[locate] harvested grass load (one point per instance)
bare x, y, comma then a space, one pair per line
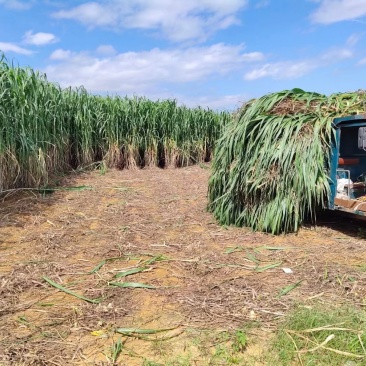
270, 167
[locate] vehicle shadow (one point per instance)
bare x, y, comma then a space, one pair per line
348, 224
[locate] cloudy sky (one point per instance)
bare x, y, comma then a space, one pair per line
216, 53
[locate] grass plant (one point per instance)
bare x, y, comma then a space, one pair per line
46, 130
115, 351
321, 336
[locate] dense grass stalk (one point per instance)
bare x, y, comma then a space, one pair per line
46, 129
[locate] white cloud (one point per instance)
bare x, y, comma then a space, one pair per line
253, 56
177, 20
11, 47
91, 14
225, 102
332, 11
139, 72
60, 54
16, 4
39, 39
352, 40
336, 54
297, 69
262, 4
106, 50
362, 61
281, 70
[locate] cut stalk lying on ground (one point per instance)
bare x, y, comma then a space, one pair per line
131, 331
289, 288
66, 290
131, 285
130, 272
104, 262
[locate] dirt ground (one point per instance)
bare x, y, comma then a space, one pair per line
204, 279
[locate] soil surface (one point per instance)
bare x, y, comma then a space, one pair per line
189, 276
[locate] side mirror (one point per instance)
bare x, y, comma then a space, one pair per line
362, 138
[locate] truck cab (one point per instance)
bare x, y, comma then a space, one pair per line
348, 165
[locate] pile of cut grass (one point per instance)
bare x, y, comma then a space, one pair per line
46, 129
270, 167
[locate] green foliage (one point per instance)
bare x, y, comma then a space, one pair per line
115, 351
340, 331
72, 293
45, 129
270, 167
240, 341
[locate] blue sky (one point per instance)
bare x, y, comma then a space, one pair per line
215, 53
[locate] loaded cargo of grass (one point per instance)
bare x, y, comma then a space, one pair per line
46, 130
270, 168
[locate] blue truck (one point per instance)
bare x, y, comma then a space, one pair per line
348, 165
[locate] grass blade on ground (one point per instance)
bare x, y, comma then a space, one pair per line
269, 266
98, 267
64, 289
103, 262
252, 258
233, 250
289, 288
131, 285
130, 272
265, 247
128, 331
116, 350
157, 258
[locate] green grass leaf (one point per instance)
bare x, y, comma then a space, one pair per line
127, 331
265, 247
75, 188
157, 258
64, 289
252, 258
130, 272
131, 285
103, 262
98, 267
267, 267
233, 250
289, 288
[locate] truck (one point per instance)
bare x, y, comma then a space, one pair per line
348, 165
